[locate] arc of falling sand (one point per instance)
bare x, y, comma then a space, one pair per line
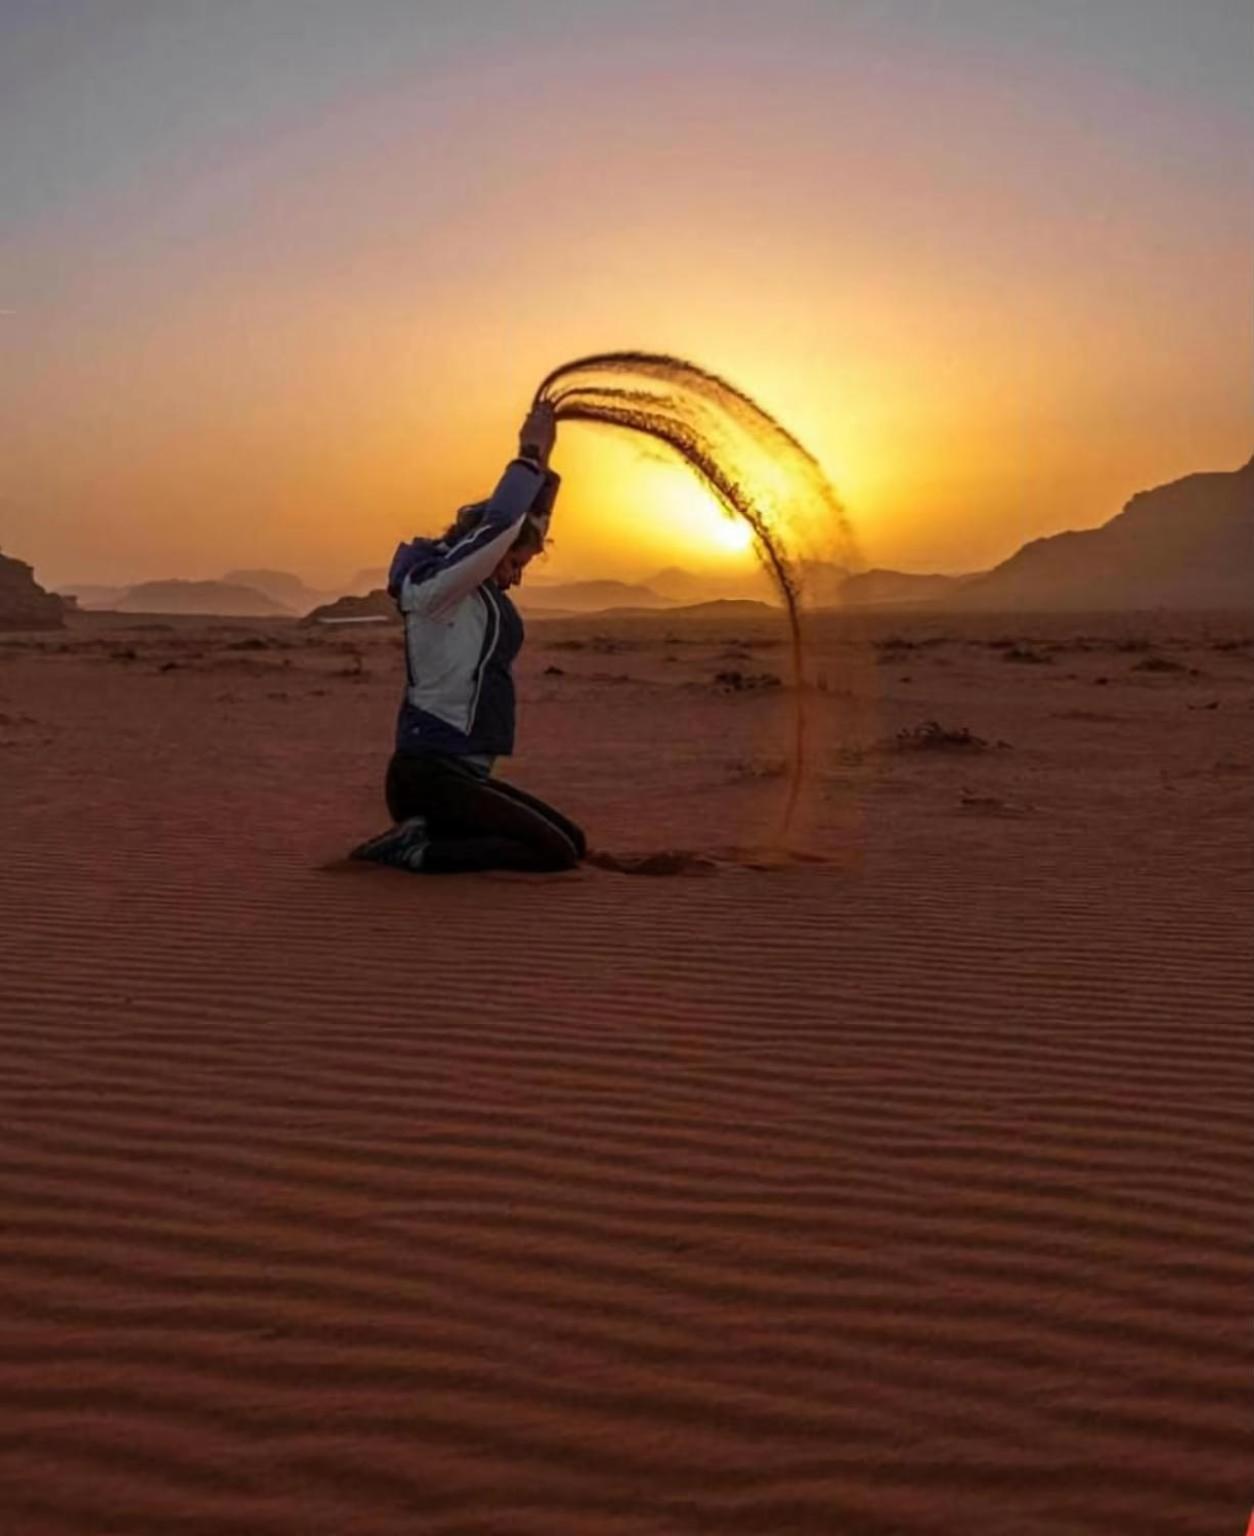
575, 396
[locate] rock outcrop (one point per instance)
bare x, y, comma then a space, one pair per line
23, 602
347, 610
1188, 544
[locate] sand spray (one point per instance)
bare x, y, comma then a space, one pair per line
755, 467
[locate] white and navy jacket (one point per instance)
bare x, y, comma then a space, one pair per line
462, 633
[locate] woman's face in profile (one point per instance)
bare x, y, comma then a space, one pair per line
509, 573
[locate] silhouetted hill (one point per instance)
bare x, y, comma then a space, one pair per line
281, 586
91, 596
23, 602
365, 582
822, 582
726, 608
1188, 544
588, 596
882, 588
369, 605
211, 598
680, 586
378, 605
821, 579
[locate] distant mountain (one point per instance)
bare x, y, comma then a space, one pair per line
367, 581
727, 608
1188, 544
378, 605
91, 596
211, 598
588, 596
354, 607
23, 602
821, 579
680, 586
281, 586
881, 588
558, 600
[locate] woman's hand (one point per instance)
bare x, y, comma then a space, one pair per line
538, 433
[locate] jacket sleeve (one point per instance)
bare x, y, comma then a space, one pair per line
442, 582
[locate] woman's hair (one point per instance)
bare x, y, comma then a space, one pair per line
466, 521
530, 538
469, 517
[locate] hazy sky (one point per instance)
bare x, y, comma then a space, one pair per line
277, 277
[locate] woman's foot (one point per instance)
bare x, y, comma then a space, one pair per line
402, 847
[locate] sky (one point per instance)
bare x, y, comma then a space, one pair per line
278, 277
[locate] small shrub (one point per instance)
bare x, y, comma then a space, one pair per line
599, 645
1159, 664
931, 736
746, 682
744, 771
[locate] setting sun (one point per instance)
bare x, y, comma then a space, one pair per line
732, 534
700, 515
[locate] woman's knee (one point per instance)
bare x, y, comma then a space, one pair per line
560, 851
569, 858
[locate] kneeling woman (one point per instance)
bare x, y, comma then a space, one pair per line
462, 634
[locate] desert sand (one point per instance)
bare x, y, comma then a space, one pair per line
897, 1191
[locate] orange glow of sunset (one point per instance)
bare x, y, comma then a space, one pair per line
280, 294
683, 515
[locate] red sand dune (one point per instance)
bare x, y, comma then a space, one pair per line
901, 1194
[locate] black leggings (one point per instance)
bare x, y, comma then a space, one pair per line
476, 823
